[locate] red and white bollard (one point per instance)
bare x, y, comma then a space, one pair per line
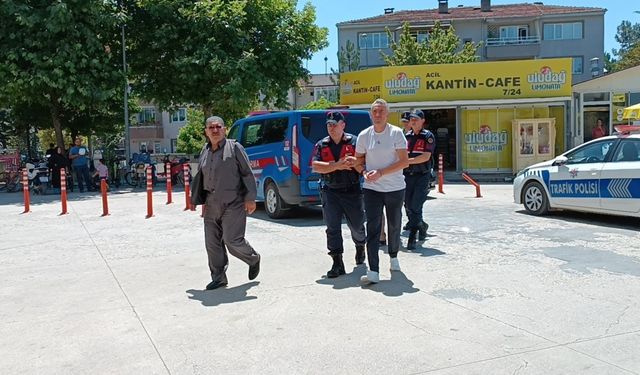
167, 173
25, 190
63, 190
103, 192
149, 193
187, 186
440, 173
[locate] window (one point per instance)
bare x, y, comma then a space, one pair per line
577, 65
563, 31
179, 116
157, 147
373, 40
629, 150
513, 33
422, 36
233, 133
147, 115
266, 131
329, 93
591, 153
174, 144
314, 126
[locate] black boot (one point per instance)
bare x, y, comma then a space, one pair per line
338, 267
422, 232
411, 244
359, 254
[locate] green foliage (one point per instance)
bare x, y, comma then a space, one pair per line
191, 137
442, 47
348, 58
59, 58
321, 103
219, 54
630, 59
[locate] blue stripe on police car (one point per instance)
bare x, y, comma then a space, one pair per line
574, 188
620, 188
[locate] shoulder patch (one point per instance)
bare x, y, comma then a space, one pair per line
430, 139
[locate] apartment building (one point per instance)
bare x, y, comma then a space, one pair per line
507, 32
156, 131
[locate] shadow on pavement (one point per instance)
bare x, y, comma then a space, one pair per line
423, 251
350, 280
610, 221
397, 286
310, 216
223, 295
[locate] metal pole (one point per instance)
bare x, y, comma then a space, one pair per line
127, 140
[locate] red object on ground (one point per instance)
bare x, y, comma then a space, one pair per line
63, 190
25, 190
103, 191
472, 182
149, 193
440, 173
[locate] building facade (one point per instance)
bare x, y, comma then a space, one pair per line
155, 131
507, 32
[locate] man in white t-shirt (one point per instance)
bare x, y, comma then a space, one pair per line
381, 151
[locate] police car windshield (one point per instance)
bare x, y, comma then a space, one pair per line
314, 126
591, 153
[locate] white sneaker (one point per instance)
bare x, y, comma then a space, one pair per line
371, 277
395, 264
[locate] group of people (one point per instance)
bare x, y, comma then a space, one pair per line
396, 169
394, 166
76, 159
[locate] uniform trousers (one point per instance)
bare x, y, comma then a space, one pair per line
414, 197
224, 225
335, 205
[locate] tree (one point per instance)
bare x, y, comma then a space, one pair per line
628, 36
221, 55
60, 58
630, 59
442, 47
191, 137
348, 58
321, 103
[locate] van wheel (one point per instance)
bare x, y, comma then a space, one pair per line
273, 203
535, 199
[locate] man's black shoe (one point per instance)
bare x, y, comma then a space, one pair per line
216, 284
360, 254
411, 244
422, 232
337, 268
254, 271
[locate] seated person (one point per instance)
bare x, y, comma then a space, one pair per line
101, 172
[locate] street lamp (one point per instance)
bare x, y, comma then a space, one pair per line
366, 50
325, 65
127, 137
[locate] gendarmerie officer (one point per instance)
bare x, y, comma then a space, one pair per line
420, 146
334, 158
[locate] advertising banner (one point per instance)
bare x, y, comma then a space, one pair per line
513, 79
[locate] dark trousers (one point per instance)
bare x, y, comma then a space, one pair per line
83, 177
224, 225
335, 205
374, 202
414, 197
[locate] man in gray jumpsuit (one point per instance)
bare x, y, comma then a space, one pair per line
231, 195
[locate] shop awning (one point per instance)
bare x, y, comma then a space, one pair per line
632, 112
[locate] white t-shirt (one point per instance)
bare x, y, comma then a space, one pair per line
380, 152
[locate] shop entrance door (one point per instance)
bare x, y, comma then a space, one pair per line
591, 116
442, 123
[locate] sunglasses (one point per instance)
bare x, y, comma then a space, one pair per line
214, 127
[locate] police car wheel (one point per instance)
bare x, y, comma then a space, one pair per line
273, 204
535, 199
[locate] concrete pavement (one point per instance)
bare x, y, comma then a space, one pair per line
491, 291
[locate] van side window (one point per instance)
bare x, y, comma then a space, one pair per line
275, 129
252, 135
233, 132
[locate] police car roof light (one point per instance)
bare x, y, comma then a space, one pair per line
627, 129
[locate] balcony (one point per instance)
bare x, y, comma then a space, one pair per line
147, 130
511, 48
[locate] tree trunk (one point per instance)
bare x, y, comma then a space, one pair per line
55, 119
207, 109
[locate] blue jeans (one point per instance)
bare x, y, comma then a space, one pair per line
335, 205
83, 177
374, 203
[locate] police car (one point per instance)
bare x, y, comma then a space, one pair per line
601, 176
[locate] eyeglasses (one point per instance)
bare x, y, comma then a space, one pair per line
214, 127
332, 124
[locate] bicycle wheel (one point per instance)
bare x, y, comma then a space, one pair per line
131, 178
14, 184
4, 179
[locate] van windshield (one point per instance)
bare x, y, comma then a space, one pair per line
314, 126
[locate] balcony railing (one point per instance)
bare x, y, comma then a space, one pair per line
513, 41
